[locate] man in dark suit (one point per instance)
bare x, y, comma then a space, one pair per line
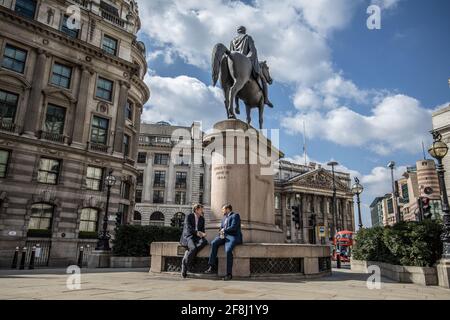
193, 237
230, 235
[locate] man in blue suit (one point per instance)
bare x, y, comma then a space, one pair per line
230, 236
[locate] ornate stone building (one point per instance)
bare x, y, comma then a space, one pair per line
71, 97
311, 188
169, 180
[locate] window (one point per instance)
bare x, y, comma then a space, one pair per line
180, 197
158, 196
109, 8
140, 178
61, 75
122, 213
162, 159
104, 89
160, 179
55, 119
277, 202
41, 216
89, 220
48, 171
142, 157
138, 196
390, 206
68, 29
200, 198
178, 220
126, 145
94, 178
14, 59
202, 178
109, 45
180, 182
157, 219
405, 194
26, 8
4, 160
137, 216
125, 190
99, 132
8, 107
129, 111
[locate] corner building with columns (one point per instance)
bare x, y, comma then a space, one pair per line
71, 97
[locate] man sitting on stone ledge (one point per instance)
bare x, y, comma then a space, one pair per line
230, 236
193, 237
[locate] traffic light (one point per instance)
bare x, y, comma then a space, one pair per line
426, 207
296, 216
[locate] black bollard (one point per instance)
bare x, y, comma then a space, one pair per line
80, 258
22, 260
16, 257
338, 261
33, 255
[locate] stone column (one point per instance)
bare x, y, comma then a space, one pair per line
120, 117
137, 125
34, 101
170, 182
305, 205
79, 123
207, 185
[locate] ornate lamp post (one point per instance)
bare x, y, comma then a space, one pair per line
104, 236
357, 189
391, 165
332, 164
439, 150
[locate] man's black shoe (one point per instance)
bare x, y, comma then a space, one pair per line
228, 277
210, 270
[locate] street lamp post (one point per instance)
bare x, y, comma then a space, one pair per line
391, 165
103, 240
357, 189
439, 150
332, 164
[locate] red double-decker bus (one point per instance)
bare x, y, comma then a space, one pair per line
342, 244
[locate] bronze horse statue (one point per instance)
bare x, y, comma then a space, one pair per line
237, 82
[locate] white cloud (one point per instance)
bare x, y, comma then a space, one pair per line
182, 100
398, 123
386, 4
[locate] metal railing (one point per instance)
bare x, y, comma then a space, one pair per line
7, 126
50, 136
98, 147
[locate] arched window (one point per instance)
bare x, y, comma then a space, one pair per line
89, 220
178, 220
41, 216
137, 216
157, 219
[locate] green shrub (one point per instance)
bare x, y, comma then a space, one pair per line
134, 241
406, 243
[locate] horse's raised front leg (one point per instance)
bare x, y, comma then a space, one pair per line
237, 86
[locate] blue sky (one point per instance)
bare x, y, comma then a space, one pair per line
366, 96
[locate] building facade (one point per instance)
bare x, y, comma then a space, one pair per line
71, 97
311, 188
441, 124
417, 182
169, 180
377, 212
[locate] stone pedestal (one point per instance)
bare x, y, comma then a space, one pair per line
242, 168
99, 259
443, 272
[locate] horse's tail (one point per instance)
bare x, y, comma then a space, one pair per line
218, 52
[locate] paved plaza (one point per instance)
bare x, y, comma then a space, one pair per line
139, 284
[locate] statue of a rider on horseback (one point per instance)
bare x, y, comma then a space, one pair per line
242, 76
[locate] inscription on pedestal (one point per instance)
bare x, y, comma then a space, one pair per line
222, 172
